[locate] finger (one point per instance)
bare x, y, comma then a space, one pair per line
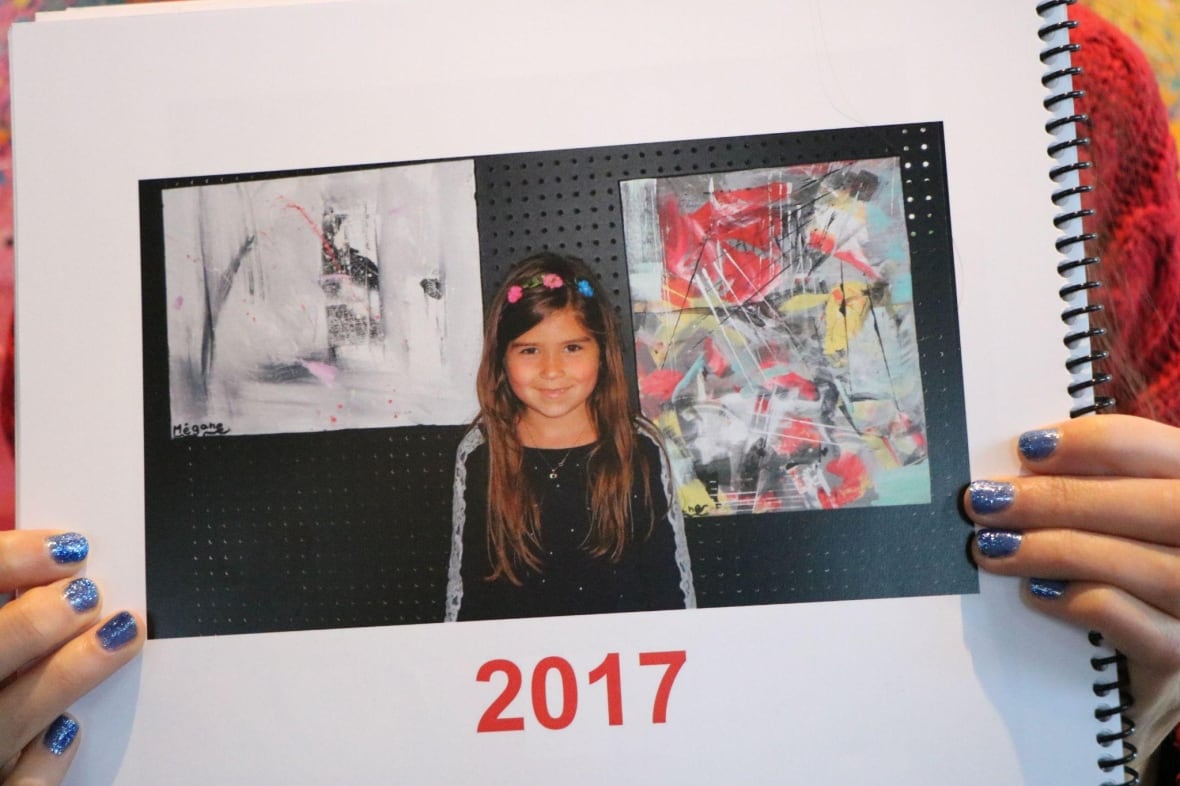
37, 696
1137, 508
44, 618
1147, 636
32, 557
1140, 630
46, 759
1148, 572
1108, 445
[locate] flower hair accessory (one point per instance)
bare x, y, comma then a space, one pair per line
549, 281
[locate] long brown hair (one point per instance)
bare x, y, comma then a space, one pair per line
514, 526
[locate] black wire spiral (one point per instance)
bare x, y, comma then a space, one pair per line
1069, 244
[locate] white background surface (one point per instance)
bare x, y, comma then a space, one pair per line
971, 690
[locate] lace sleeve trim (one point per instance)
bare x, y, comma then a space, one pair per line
675, 514
471, 441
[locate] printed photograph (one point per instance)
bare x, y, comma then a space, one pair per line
344, 300
784, 317
774, 336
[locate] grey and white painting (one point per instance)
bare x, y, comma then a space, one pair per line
330, 301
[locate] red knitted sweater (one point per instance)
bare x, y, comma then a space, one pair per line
1136, 199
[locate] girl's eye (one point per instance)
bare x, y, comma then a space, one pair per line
573, 348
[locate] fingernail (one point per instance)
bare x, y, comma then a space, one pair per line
1037, 445
1049, 589
67, 547
82, 594
996, 543
118, 630
990, 496
60, 735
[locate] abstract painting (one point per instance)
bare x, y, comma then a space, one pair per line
329, 301
775, 340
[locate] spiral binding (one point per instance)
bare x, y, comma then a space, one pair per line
1084, 360
1065, 128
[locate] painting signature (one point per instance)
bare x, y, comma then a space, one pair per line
199, 430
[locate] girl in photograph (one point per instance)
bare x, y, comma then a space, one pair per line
563, 496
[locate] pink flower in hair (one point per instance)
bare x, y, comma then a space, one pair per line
552, 281
514, 293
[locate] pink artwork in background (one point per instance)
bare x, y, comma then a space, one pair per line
9, 13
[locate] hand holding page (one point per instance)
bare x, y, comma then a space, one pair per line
249, 326
57, 644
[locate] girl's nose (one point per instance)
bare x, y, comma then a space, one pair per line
551, 367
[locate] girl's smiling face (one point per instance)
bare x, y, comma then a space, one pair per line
553, 369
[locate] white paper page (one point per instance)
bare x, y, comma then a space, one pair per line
964, 690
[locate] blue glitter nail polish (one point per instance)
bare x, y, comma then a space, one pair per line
119, 630
990, 496
82, 595
1038, 445
996, 543
67, 547
60, 734
1049, 589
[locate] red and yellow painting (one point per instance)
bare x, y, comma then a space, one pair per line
775, 336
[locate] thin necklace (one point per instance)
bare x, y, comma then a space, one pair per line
555, 468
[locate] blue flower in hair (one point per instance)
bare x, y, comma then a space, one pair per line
585, 288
